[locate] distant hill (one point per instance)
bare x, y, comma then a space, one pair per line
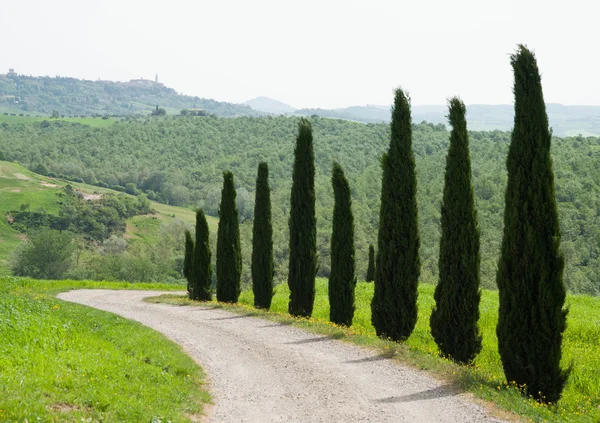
565, 120
77, 97
268, 105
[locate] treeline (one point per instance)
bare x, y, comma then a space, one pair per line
71, 96
532, 313
180, 161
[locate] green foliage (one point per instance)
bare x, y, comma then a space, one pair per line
530, 271
46, 254
303, 225
64, 362
229, 253
95, 219
342, 279
394, 306
159, 111
188, 260
371, 268
262, 241
161, 155
200, 285
454, 319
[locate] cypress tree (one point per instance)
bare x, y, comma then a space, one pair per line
262, 241
229, 254
303, 225
201, 269
187, 261
454, 319
394, 305
341, 279
532, 317
371, 268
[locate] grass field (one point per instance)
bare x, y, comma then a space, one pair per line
19, 185
62, 362
94, 122
580, 402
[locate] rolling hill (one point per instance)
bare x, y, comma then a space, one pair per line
565, 120
20, 186
21, 94
268, 105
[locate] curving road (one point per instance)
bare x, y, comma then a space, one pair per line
262, 371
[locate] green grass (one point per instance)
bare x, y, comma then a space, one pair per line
65, 362
94, 122
485, 379
18, 185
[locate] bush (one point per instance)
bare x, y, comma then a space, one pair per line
46, 255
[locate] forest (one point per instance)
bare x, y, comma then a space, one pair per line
180, 160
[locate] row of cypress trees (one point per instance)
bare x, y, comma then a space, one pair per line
532, 317
197, 267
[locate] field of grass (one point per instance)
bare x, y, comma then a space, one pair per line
94, 122
581, 346
64, 362
21, 186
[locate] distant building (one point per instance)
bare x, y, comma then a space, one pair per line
11, 72
146, 82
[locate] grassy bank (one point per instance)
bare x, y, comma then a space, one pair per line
485, 379
64, 362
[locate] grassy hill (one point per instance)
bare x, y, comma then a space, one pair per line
20, 186
75, 97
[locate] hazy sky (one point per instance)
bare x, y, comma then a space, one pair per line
327, 53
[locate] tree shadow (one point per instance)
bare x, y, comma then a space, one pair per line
275, 325
310, 340
237, 316
383, 356
437, 392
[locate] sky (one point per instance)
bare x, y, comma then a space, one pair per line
327, 53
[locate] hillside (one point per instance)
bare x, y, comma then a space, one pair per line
180, 161
19, 186
268, 105
21, 94
565, 120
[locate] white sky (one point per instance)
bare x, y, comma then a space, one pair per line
328, 53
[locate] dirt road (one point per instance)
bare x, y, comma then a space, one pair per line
261, 371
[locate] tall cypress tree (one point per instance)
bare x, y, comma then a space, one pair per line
394, 305
201, 269
262, 241
187, 261
371, 268
532, 317
342, 280
303, 226
454, 319
229, 254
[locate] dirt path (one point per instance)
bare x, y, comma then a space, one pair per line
262, 371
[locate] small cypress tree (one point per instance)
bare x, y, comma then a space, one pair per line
303, 225
201, 269
262, 241
394, 305
454, 319
229, 254
342, 280
532, 317
371, 268
187, 261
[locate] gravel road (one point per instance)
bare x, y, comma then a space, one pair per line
262, 371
